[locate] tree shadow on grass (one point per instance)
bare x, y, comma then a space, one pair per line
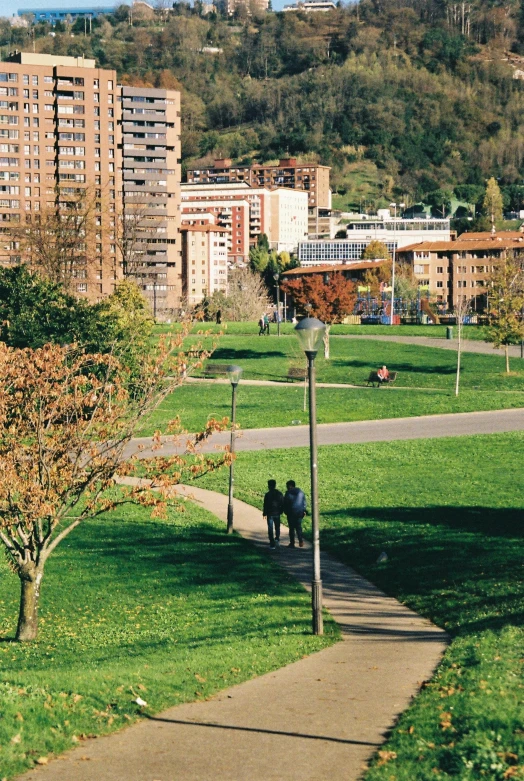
395, 366
495, 521
460, 566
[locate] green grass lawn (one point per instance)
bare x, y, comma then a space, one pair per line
262, 407
425, 384
449, 514
351, 360
168, 611
251, 329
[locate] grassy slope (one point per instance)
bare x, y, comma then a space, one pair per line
449, 516
262, 407
425, 384
132, 606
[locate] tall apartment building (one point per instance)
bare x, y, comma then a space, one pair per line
311, 177
279, 213
58, 145
151, 152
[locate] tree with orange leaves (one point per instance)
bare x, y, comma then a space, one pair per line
66, 418
330, 297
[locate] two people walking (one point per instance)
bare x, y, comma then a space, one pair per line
263, 324
293, 504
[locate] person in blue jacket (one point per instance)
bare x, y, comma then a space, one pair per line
295, 508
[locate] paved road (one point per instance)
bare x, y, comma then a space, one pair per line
317, 719
425, 427
468, 345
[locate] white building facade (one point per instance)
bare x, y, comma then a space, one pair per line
394, 233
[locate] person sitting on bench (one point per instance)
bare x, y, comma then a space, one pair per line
383, 374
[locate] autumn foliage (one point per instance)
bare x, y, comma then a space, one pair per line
66, 419
330, 300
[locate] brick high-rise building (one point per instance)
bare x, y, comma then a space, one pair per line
59, 145
69, 134
311, 177
151, 152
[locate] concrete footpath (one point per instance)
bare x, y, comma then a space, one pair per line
317, 719
423, 427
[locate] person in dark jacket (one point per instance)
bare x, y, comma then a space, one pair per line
295, 507
273, 507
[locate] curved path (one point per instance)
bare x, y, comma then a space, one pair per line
425, 427
468, 345
319, 718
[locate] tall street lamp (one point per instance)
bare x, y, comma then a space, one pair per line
310, 332
276, 277
233, 373
401, 205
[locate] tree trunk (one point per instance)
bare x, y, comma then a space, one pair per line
506, 350
458, 368
326, 342
30, 580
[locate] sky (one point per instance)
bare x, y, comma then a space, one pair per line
10, 7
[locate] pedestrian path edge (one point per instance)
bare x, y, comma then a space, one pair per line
320, 718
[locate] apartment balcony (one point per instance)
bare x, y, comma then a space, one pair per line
132, 165
157, 176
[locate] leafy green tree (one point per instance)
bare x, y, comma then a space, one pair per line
493, 201
35, 312
375, 250
258, 259
506, 303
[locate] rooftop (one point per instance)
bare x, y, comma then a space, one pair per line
334, 267
461, 245
30, 58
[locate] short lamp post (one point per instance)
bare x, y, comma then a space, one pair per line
310, 333
233, 373
401, 205
276, 277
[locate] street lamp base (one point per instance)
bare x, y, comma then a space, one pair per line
316, 598
230, 519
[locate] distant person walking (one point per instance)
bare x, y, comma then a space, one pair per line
295, 507
262, 325
273, 509
219, 317
266, 323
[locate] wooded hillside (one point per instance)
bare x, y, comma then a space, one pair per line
400, 97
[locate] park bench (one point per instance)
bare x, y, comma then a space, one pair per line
373, 378
216, 370
295, 373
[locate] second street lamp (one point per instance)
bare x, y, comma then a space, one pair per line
233, 373
276, 277
401, 205
310, 332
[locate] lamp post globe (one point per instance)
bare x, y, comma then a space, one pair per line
310, 333
234, 373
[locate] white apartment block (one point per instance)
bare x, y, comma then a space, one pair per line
289, 219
